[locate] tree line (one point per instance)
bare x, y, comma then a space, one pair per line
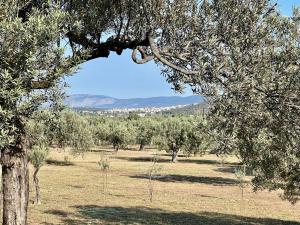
188, 134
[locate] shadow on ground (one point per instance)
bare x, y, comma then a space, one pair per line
92, 214
142, 159
216, 181
232, 169
59, 163
229, 169
180, 160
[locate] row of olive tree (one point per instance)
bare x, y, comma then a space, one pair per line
81, 132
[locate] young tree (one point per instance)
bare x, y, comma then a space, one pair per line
37, 158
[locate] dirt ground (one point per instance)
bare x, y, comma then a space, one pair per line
197, 190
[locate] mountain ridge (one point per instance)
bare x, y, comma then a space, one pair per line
107, 102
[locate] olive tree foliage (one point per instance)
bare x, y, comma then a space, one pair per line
145, 131
28, 54
74, 131
122, 134
180, 134
199, 138
100, 128
242, 54
42, 127
252, 77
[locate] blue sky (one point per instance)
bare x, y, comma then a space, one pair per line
119, 77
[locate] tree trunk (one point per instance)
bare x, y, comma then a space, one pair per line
174, 155
37, 186
15, 188
142, 147
15, 180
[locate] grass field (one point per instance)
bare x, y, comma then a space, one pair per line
197, 190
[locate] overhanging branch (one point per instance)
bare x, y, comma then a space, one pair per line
158, 56
145, 58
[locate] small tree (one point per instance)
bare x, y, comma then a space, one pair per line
154, 169
240, 174
37, 158
104, 165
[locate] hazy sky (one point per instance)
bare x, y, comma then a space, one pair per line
119, 77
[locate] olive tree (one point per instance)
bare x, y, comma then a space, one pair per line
173, 136
37, 158
75, 131
40, 136
29, 54
121, 134
145, 130
251, 75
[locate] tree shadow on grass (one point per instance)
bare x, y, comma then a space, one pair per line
181, 159
206, 161
228, 169
216, 181
59, 163
92, 214
142, 159
232, 169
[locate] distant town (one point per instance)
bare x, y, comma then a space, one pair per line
188, 109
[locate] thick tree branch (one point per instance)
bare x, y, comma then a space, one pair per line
145, 58
157, 55
96, 50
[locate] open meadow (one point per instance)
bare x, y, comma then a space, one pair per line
193, 191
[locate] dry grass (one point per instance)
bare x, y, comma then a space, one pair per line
192, 191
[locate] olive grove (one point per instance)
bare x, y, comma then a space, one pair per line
243, 55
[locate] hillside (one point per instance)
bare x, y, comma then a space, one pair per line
106, 102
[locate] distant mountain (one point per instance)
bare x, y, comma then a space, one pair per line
105, 102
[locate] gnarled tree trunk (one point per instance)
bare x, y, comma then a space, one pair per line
15, 181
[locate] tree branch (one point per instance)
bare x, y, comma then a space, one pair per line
145, 58
42, 84
114, 43
157, 55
